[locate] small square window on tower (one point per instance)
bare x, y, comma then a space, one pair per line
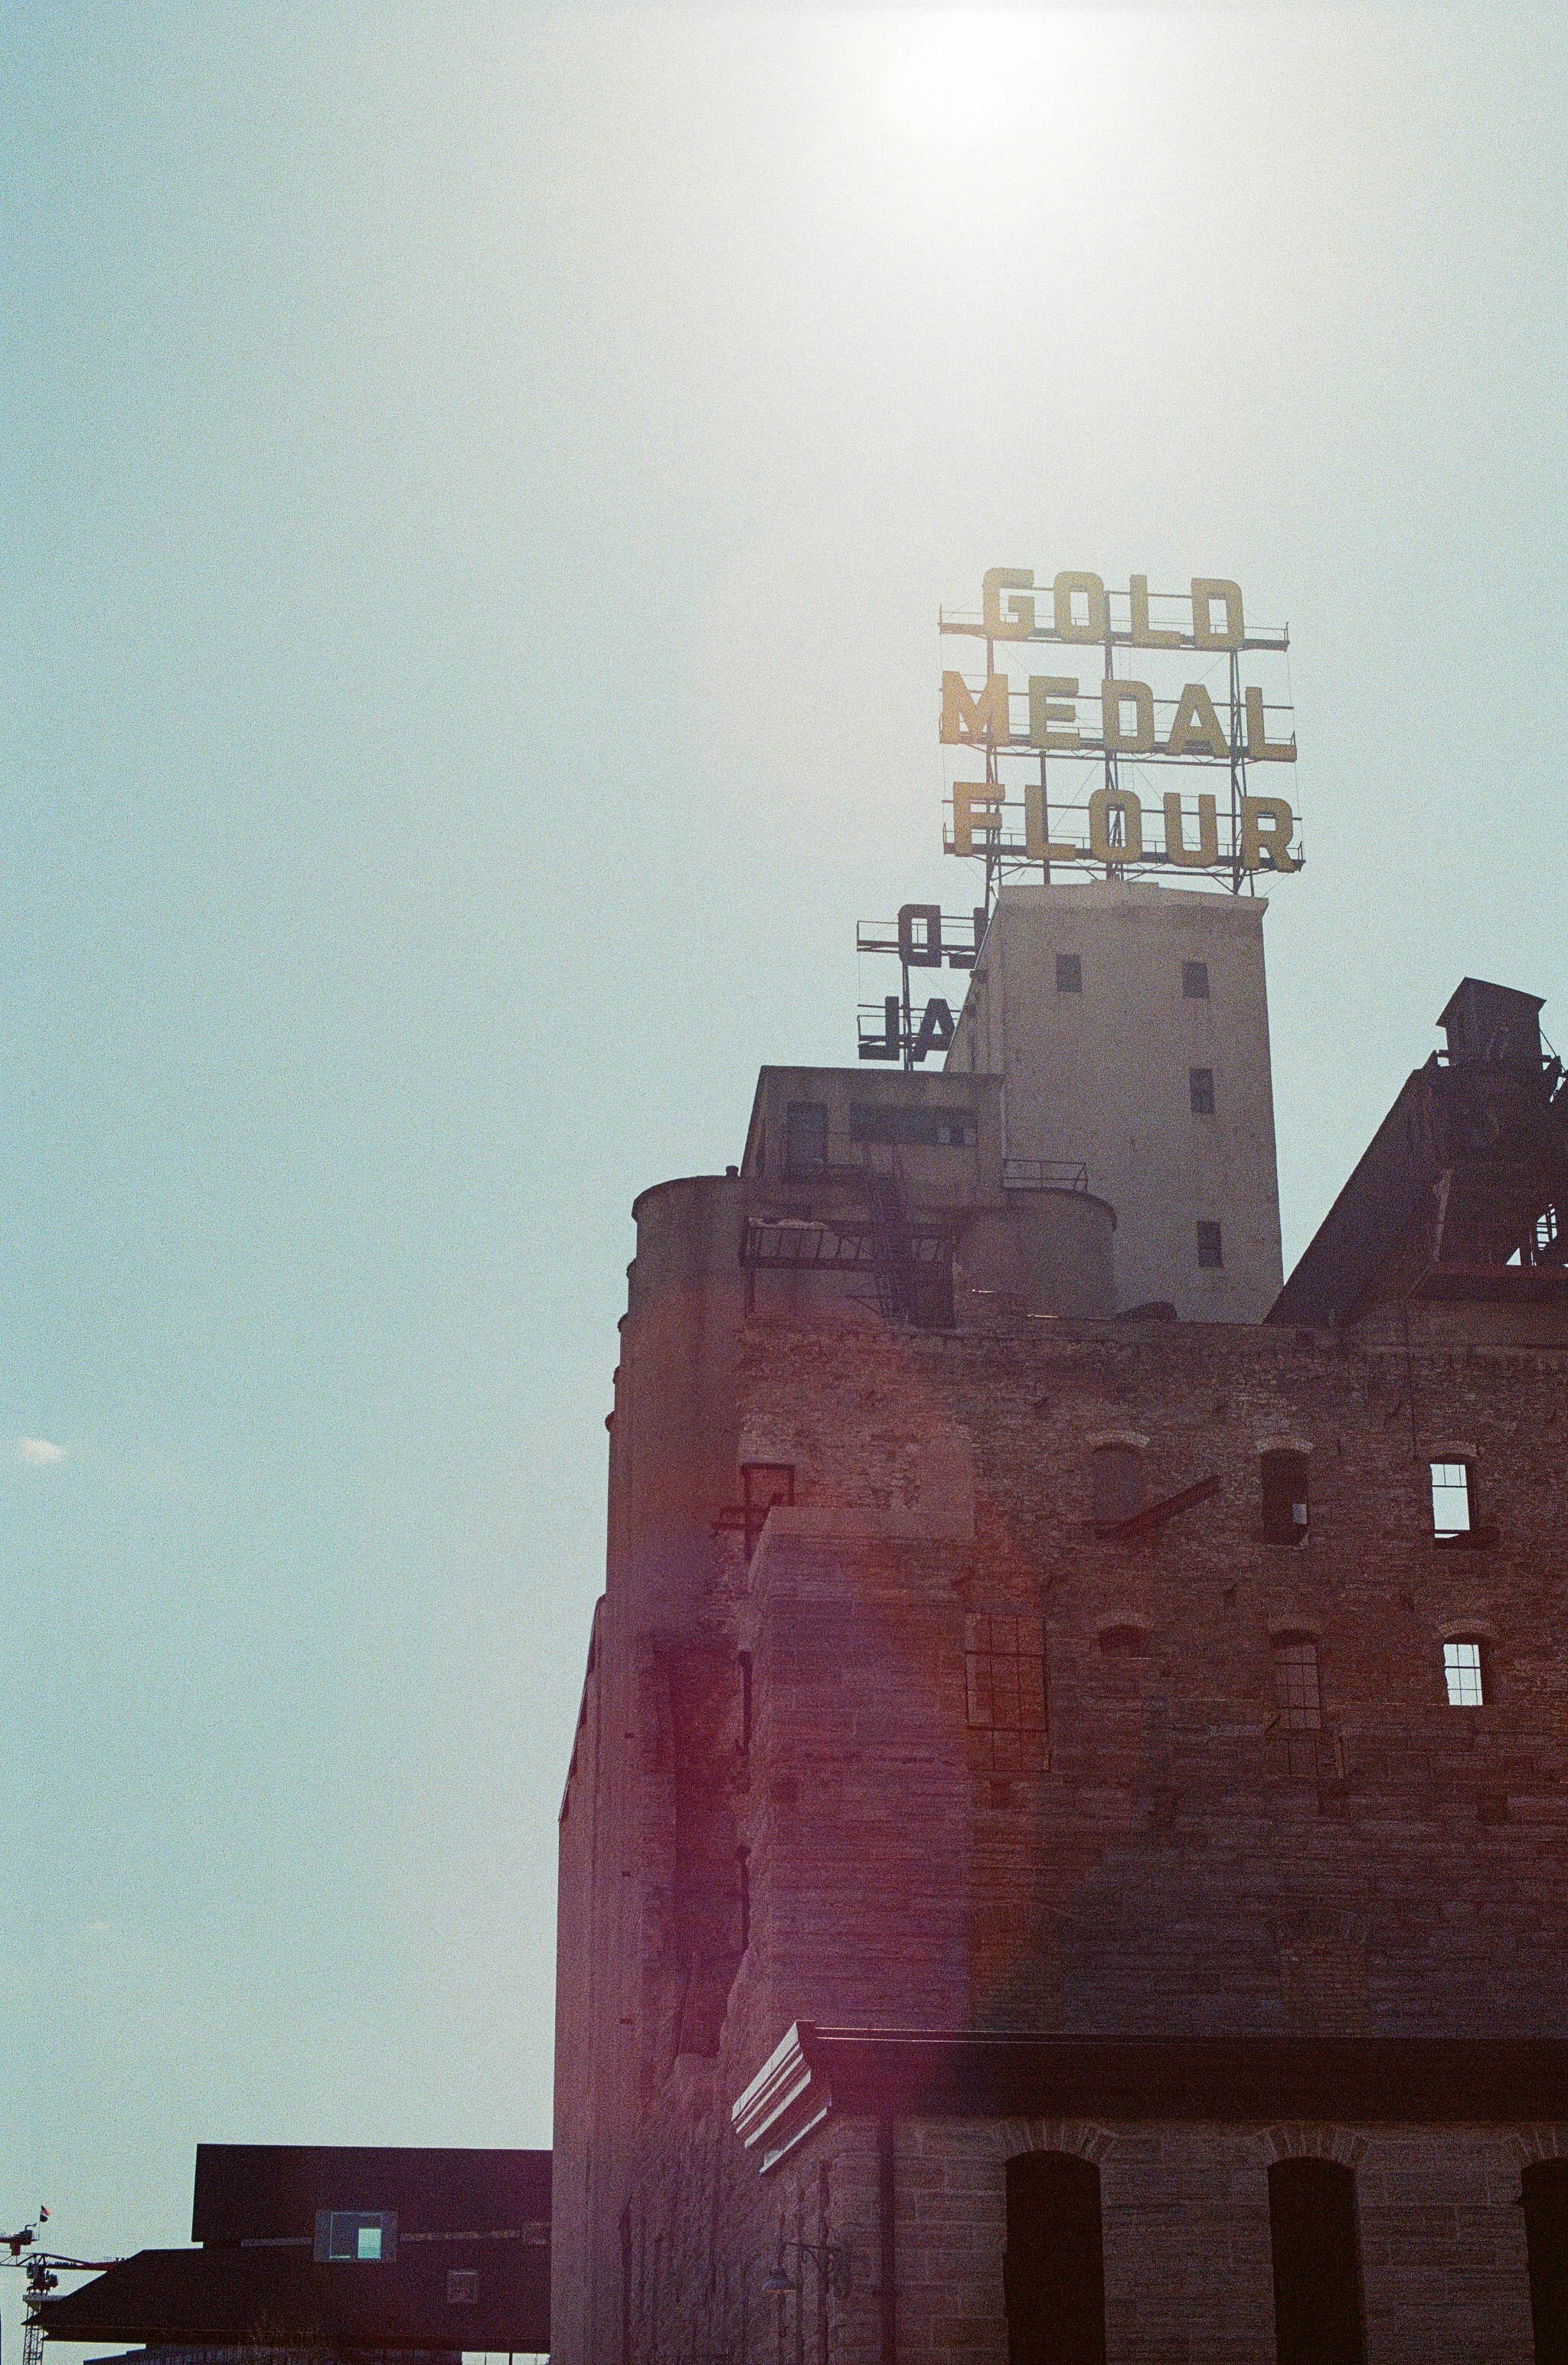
1201, 1091
1210, 1247
1195, 980
462, 2286
1070, 973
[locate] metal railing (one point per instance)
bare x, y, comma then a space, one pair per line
1044, 1174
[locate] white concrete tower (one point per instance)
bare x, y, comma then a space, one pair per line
1130, 1025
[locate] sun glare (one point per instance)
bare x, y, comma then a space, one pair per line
952, 76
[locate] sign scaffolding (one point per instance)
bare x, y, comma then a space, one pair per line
1097, 774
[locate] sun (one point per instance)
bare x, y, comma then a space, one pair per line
952, 76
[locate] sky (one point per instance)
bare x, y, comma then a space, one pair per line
476, 490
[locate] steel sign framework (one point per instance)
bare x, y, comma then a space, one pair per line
1097, 773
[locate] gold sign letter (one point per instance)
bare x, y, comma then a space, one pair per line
1037, 845
1144, 633
1266, 824
1206, 590
1053, 717
1196, 723
1102, 805
1260, 748
1177, 849
1113, 696
1019, 620
1092, 591
967, 719
975, 804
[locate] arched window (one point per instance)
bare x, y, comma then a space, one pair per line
1545, 2196
1298, 1692
1054, 2275
1317, 2272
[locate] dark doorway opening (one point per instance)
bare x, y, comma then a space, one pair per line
1054, 2274
1318, 2269
1545, 2194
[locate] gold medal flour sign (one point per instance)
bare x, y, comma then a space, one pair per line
1176, 680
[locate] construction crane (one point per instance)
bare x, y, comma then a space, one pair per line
43, 2270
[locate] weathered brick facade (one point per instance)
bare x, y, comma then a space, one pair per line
817, 1782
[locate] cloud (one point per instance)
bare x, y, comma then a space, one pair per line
38, 1452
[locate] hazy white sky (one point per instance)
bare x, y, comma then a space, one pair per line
477, 487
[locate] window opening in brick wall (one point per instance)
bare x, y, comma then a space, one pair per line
1122, 1641
1116, 1484
1004, 1678
364, 2237
805, 1137
1317, 2274
1070, 973
462, 2286
1453, 1503
914, 1128
1053, 2274
1201, 1091
1211, 1247
1464, 1671
1283, 1474
1195, 980
764, 1486
1297, 1689
1544, 2191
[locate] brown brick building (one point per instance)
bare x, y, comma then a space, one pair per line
1066, 1849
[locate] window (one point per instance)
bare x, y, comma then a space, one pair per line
1122, 1641
357, 2237
1201, 1091
1053, 2274
763, 1485
1317, 2273
1004, 1678
1116, 1484
462, 2286
1544, 2191
1210, 1252
915, 1128
1070, 973
1195, 980
1296, 1687
1464, 1672
1283, 1472
805, 1137
1453, 1511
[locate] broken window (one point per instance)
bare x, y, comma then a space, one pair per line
1283, 1474
1464, 1671
1070, 973
1210, 1251
1453, 1505
1296, 1687
1116, 1475
915, 1128
1004, 1676
1201, 1091
764, 1485
356, 2237
1195, 980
